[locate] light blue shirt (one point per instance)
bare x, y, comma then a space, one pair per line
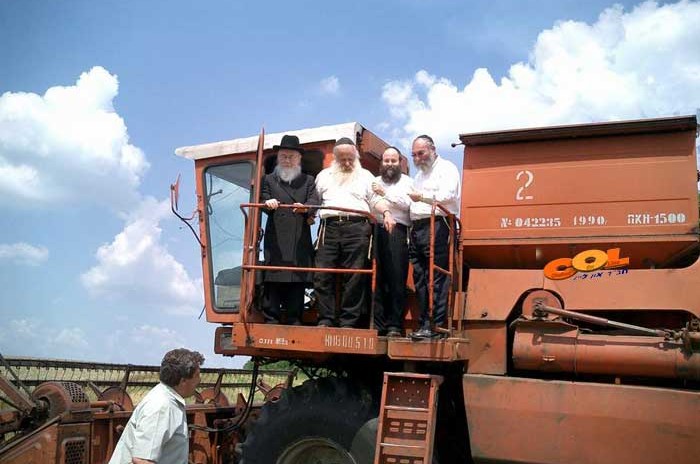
157, 430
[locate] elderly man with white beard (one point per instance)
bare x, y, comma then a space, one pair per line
287, 233
436, 180
344, 238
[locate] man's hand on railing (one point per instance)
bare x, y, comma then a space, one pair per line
300, 209
272, 203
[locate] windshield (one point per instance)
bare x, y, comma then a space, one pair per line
226, 187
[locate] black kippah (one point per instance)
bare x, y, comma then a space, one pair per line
344, 141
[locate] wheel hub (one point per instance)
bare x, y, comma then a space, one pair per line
315, 450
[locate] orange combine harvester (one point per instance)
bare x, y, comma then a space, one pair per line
573, 333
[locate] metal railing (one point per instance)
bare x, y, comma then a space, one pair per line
251, 250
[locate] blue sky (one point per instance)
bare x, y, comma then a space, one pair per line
96, 96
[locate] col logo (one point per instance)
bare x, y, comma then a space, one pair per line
586, 261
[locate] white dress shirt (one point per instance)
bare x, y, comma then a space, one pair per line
356, 193
156, 431
396, 195
442, 183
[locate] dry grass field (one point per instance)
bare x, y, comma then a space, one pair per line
91, 376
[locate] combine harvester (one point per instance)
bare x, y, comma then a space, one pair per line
573, 333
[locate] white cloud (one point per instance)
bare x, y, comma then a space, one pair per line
23, 253
56, 147
643, 63
32, 337
160, 338
136, 268
329, 85
73, 337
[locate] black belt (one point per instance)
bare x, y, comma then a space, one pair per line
345, 218
426, 221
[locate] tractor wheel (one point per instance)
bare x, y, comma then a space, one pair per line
322, 421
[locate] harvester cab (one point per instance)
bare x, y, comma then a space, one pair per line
228, 177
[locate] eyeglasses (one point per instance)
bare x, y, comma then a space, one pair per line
287, 157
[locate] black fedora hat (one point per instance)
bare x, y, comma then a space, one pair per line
290, 142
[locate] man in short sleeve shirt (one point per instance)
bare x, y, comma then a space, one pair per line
157, 429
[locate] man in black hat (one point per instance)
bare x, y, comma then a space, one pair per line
344, 237
287, 233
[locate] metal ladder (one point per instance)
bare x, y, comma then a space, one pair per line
406, 426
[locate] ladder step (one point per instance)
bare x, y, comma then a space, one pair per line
407, 418
397, 450
405, 408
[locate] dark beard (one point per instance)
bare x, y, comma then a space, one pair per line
390, 174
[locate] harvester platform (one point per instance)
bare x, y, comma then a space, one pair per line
285, 340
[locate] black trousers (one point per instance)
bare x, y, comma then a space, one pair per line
283, 295
391, 251
418, 252
342, 244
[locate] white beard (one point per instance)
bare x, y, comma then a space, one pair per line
287, 174
428, 165
341, 177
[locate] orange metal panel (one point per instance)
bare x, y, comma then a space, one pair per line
537, 421
492, 293
487, 347
632, 290
281, 338
615, 188
555, 347
37, 448
449, 349
73, 444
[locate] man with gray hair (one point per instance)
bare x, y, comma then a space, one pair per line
436, 180
344, 238
157, 429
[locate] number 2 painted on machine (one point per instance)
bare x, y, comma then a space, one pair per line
519, 195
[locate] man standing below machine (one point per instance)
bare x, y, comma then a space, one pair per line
391, 248
344, 238
436, 180
157, 429
287, 233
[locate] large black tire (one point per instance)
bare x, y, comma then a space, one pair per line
320, 422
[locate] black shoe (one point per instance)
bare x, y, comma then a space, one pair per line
392, 333
325, 324
424, 334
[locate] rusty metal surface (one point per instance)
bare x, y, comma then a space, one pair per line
487, 348
407, 418
73, 444
638, 191
645, 126
556, 347
633, 290
553, 422
39, 447
440, 350
273, 337
493, 293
